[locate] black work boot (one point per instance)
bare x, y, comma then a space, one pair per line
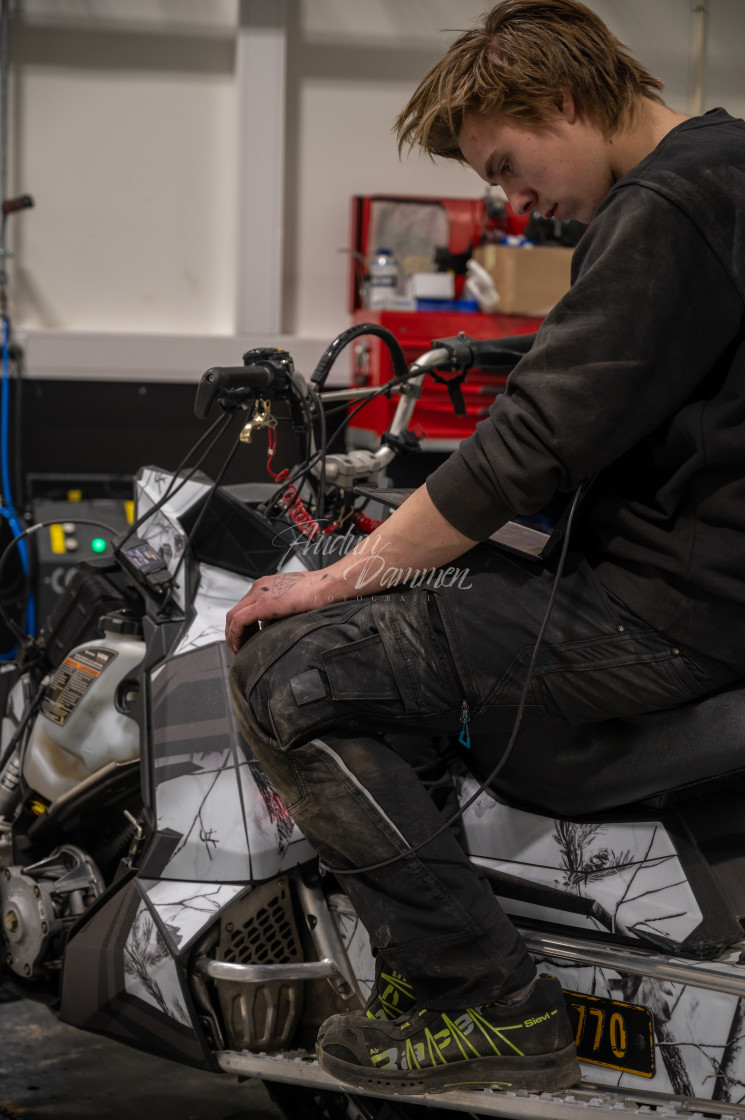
392, 995
523, 1044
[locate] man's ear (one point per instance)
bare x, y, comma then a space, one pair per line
564, 102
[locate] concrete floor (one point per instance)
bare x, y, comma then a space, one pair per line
49, 1069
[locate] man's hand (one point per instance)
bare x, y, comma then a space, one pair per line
270, 597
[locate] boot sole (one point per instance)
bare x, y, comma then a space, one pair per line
540, 1073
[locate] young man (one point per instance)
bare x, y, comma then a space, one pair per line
636, 376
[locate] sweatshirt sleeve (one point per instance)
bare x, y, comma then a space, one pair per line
650, 310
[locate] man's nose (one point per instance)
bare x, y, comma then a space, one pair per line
522, 200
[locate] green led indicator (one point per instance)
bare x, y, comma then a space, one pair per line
98, 544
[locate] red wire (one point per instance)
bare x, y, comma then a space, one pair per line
296, 510
271, 448
365, 523
295, 506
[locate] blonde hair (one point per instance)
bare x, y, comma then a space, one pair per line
520, 57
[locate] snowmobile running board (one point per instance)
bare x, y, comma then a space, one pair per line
586, 1101
583, 1102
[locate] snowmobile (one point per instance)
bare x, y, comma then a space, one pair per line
154, 889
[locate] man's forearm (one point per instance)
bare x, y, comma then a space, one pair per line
415, 539
405, 548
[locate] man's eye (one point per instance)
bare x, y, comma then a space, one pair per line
504, 168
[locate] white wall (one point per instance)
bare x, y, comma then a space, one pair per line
124, 116
125, 131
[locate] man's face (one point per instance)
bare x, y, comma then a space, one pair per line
561, 169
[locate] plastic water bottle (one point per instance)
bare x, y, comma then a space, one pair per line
382, 280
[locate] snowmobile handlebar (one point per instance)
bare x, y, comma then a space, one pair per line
466, 353
268, 371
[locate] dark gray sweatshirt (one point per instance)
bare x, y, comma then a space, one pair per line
639, 373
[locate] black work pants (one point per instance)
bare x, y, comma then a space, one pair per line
327, 699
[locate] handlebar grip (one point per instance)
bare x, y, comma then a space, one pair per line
218, 378
500, 353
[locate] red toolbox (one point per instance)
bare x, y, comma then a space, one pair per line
409, 225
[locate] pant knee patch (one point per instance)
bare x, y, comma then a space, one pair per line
307, 687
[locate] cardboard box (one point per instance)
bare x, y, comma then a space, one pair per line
529, 281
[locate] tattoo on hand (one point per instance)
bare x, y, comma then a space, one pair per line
285, 582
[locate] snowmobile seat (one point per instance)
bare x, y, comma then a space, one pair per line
664, 756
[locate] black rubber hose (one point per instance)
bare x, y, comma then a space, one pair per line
331, 353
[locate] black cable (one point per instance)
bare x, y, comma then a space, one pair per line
12, 592
302, 470
319, 456
31, 710
223, 422
9, 622
382, 392
344, 406
193, 531
515, 727
172, 488
321, 499
334, 349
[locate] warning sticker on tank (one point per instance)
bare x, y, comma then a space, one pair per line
72, 679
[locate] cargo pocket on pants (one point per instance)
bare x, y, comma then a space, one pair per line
362, 672
615, 678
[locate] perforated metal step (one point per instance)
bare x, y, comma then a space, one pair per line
584, 1102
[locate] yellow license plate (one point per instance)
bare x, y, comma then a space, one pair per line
612, 1034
